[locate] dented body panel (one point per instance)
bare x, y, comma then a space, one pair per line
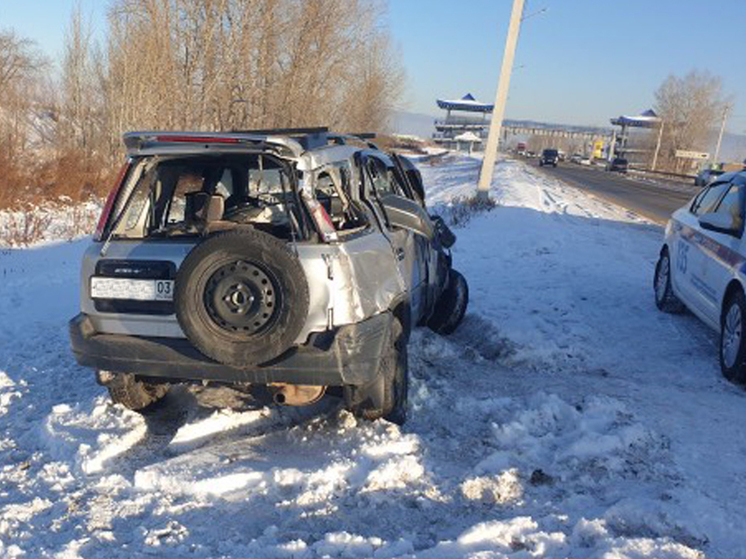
348, 282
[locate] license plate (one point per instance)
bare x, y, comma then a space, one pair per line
133, 289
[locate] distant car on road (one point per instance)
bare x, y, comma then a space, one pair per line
618, 165
576, 158
705, 176
701, 267
585, 160
549, 157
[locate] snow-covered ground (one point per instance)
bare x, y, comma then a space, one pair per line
565, 418
50, 223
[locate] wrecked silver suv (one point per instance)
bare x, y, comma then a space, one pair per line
291, 261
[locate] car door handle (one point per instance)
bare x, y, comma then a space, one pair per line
400, 253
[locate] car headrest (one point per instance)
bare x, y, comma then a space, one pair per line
201, 207
215, 208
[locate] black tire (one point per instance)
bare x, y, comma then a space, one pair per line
241, 297
134, 394
665, 299
732, 347
387, 395
451, 307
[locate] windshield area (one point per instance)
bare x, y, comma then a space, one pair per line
182, 195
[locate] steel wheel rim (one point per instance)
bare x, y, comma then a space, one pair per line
732, 331
661, 278
242, 297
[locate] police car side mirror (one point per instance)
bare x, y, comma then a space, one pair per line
720, 222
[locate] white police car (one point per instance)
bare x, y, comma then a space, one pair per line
702, 266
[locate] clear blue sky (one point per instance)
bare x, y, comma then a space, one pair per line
581, 62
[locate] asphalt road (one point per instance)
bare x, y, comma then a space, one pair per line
653, 201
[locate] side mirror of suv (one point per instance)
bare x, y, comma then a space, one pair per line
721, 222
408, 214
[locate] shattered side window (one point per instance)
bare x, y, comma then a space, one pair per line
266, 181
381, 179
135, 211
332, 190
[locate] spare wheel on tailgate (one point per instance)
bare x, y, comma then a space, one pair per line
241, 297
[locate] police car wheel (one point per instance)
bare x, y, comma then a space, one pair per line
665, 299
732, 341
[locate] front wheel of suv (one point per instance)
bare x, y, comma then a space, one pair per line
132, 393
451, 307
386, 396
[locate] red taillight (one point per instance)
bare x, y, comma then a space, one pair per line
98, 235
196, 139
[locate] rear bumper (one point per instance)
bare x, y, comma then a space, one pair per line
348, 355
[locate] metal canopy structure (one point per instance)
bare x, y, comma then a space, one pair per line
450, 128
646, 119
466, 103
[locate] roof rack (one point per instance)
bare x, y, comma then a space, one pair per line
309, 138
316, 137
361, 137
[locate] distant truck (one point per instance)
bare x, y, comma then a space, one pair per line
520, 148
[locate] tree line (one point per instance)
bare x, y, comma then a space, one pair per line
186, 65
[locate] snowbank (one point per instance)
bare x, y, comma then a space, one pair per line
52, 223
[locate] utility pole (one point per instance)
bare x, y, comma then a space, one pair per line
658, 145
501, 97
720, 135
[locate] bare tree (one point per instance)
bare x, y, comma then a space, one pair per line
19, 59
81, 105
222, 64
21, 76
689, 107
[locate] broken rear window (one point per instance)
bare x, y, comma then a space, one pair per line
171, 196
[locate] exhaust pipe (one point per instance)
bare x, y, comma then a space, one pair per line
296, 394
